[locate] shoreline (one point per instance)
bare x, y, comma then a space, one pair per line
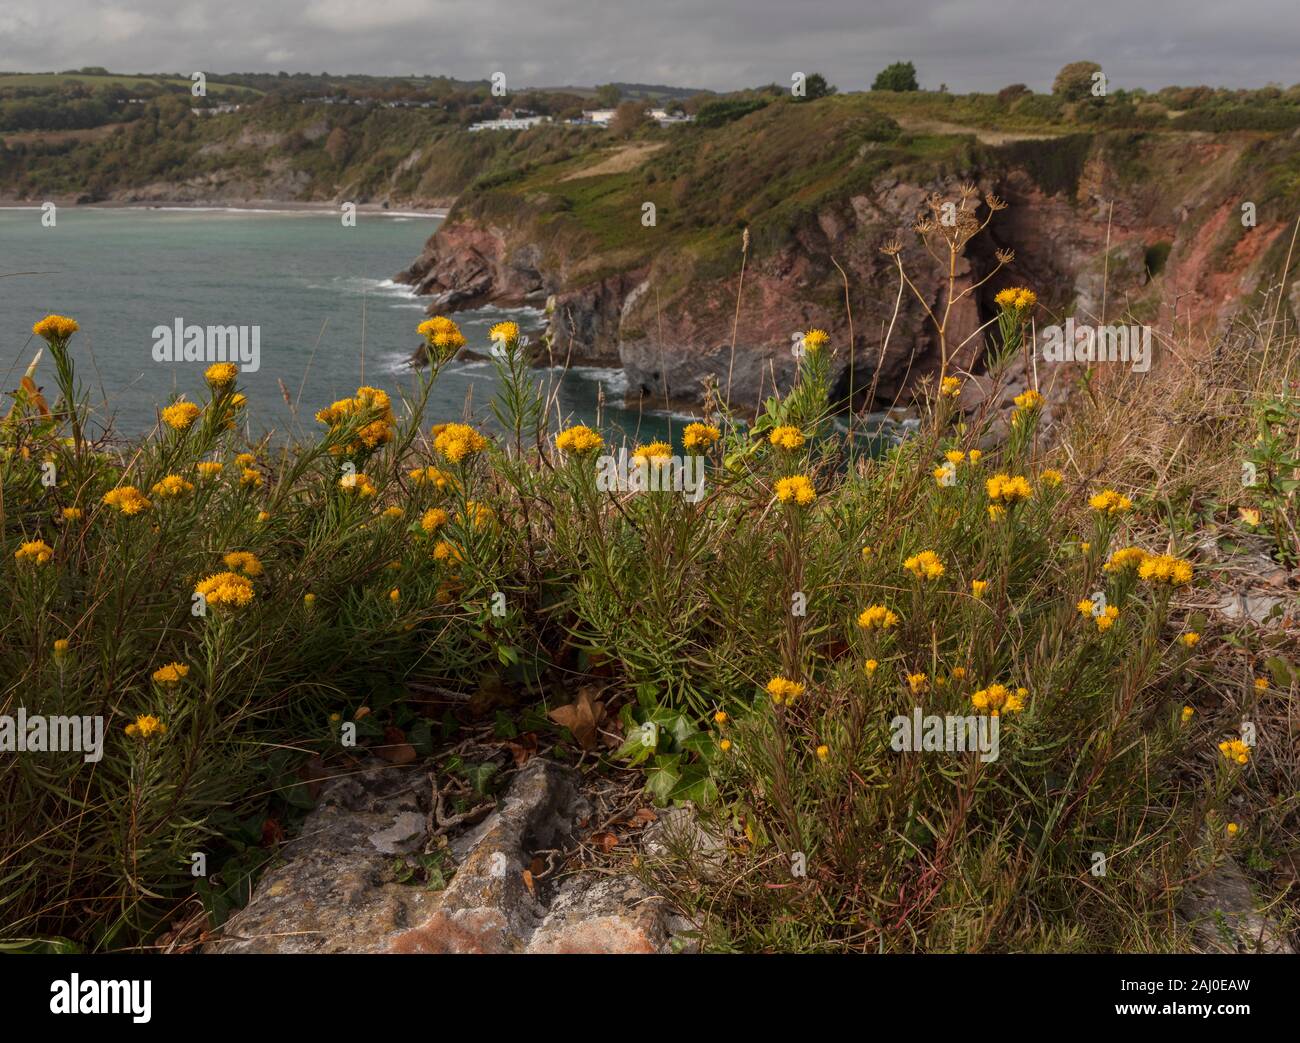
217, 207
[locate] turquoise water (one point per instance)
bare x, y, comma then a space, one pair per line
330, 316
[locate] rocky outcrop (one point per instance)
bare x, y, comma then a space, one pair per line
338, 889
1106, 241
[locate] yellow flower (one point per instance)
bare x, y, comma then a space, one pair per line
978, 586
1107, 618
1187, 713
250, 478
917, 683
127, 499
246, 459
653, 452
796, 487
1085, 547
478, 514
823, 752
505, 332
720, 717
434, 519
60, 648
441, 334
180, 416
783, 690
1108, 501
146, 726
996, 512
1029, 400
226, 590
815, 340
700, 436
445, 551
71, 514
393, 513
1051, 478
1125, 557
243, 561
1165, 568
786, 437
997, 698
954, 456
431, 476
394, 595
1008, 490
1235, 751
1190, 639
355, 482
724, 745
1261, 684
309, 600
263, 517
871, 666
1248, 515
36, 551
950, 387
209, 468
578, 439
959, 673
220, 375
173, 485
925, 565
172, 673
457, 441
1232, 829
877, 617
866, 552
55, 328
975, 456
945, 476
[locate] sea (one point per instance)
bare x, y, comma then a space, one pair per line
322, 294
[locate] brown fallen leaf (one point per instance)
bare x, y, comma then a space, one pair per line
523, 749
396, 750
643, 817
605, 840
537, 865
528, 883
581, 716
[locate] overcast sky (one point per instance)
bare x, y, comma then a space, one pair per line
718, 44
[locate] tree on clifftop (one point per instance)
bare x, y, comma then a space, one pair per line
1074, 81
608, 95
901, 76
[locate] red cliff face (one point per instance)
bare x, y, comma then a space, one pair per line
1156, 239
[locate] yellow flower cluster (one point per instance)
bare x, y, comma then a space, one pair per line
127, 499
786, 437
1125, 557
455, 442
783, 690
505, 332
434, 519
355, 482
443, 335
38, 552
146, 726
373, 406
180, 416
71, 514
172, 673
1008, 490
226, 590
797, 488
243, 561
950, 387
220, 375
172, 486
816, 339
1165, 568
578, 439
209, 468
55, 328
1108, 501
444, 550
1105, 619
917, 683
1051, 478
430, 476
653, 452
1016, 298
700, 436
998, 697
925, 565
978, 587
877, 617
1235, 751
